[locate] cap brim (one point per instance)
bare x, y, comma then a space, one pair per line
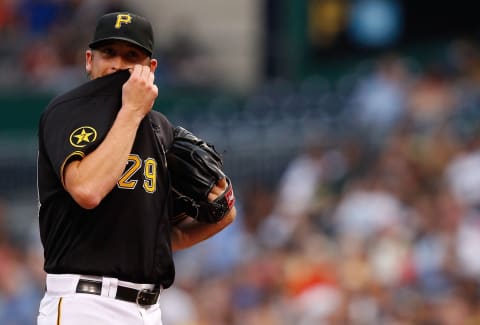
99, 42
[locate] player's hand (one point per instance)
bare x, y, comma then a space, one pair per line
139, 92
218, 189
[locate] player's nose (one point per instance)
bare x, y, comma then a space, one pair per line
118, 63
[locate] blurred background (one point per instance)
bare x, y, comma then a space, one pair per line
350, 129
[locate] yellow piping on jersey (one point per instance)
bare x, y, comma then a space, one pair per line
75, 153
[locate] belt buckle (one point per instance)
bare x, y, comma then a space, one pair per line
141, 300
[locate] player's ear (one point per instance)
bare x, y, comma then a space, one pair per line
153, 65
88, 61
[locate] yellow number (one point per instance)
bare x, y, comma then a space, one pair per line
125, 181
150, 172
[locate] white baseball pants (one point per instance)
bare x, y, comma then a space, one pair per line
61, 305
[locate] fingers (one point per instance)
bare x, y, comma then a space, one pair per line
222, 183
151, 77
212, 197
139, 92
218, 189
144, 72
141, 71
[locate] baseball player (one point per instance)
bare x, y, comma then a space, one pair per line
109, 214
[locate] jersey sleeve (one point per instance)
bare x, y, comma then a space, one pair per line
74, 129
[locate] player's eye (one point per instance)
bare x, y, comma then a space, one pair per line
132, 55
108, 51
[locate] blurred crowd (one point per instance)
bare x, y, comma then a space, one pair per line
37, 51
375, 221
44, 41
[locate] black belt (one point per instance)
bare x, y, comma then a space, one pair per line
143, 297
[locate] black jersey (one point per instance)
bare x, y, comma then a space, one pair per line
127, 235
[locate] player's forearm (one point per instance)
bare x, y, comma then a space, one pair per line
189, 232
92, 178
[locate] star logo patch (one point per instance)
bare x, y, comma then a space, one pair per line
83, 136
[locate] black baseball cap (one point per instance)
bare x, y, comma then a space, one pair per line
124, 26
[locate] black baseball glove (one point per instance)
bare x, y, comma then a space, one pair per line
195, 167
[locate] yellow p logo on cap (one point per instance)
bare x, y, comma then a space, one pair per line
123, 19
